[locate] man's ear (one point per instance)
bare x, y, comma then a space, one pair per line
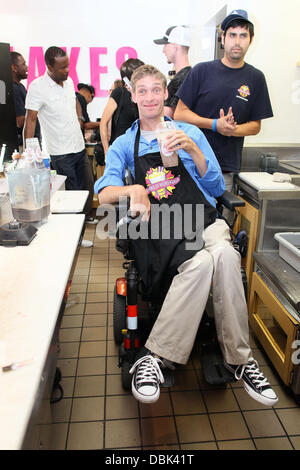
133, 96
223, 39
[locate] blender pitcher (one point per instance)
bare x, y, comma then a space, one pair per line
29, 191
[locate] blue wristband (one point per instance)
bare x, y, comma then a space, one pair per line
214, 126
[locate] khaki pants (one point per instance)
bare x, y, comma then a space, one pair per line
173, 334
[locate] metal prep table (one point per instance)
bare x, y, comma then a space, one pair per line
274, 286
35, 282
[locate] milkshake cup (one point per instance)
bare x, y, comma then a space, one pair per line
164, 129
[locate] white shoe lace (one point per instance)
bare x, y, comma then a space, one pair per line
254, 373
149, 370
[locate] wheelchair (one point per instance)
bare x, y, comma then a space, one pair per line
134, 313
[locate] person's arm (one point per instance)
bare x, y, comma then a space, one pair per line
108, 112
79, 113
183, 113
225, 123
90, 125
19, 106
249, 128
139, 201
30, 123
20, 121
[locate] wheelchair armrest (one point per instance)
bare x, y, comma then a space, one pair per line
230, 201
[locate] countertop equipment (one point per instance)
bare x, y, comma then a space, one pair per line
274, 302
278, 204
17, 233
292, 164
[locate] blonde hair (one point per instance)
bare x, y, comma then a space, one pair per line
145, 70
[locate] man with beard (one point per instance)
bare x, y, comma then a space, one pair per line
227, 98
19, 72
176, 42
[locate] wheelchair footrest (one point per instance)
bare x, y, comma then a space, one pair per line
213, 365
169, 377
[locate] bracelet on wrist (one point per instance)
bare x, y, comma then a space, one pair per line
214, 126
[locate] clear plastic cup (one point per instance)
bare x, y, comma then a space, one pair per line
164, 129
33, 143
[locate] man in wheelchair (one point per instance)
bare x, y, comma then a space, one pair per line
185, 271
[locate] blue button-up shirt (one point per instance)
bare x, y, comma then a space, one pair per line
120, 156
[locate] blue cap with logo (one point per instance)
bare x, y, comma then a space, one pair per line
234, 15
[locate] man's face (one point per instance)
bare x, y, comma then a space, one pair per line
236, 43
21, 68
169, 51
149, 95
60, 70
89, 96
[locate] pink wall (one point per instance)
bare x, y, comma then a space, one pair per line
37, 67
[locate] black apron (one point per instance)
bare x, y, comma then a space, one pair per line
158, 258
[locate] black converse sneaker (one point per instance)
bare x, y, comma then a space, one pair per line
146, 379
255, 383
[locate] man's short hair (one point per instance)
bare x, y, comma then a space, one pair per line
146, 70
242, 23
15, 57
51, 54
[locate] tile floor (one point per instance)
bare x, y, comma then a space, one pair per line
96, 413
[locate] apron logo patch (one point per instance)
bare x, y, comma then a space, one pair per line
160, 182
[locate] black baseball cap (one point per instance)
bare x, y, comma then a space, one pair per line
234, 15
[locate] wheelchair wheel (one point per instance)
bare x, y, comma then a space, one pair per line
119, 316
126, 376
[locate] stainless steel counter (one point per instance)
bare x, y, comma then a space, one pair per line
279, 209
284, 277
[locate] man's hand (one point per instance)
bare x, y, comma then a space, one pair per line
178, 139
226, 125
139, 202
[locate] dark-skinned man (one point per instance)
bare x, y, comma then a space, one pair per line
52, 99
19, 72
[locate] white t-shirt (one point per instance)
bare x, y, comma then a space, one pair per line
56, 106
